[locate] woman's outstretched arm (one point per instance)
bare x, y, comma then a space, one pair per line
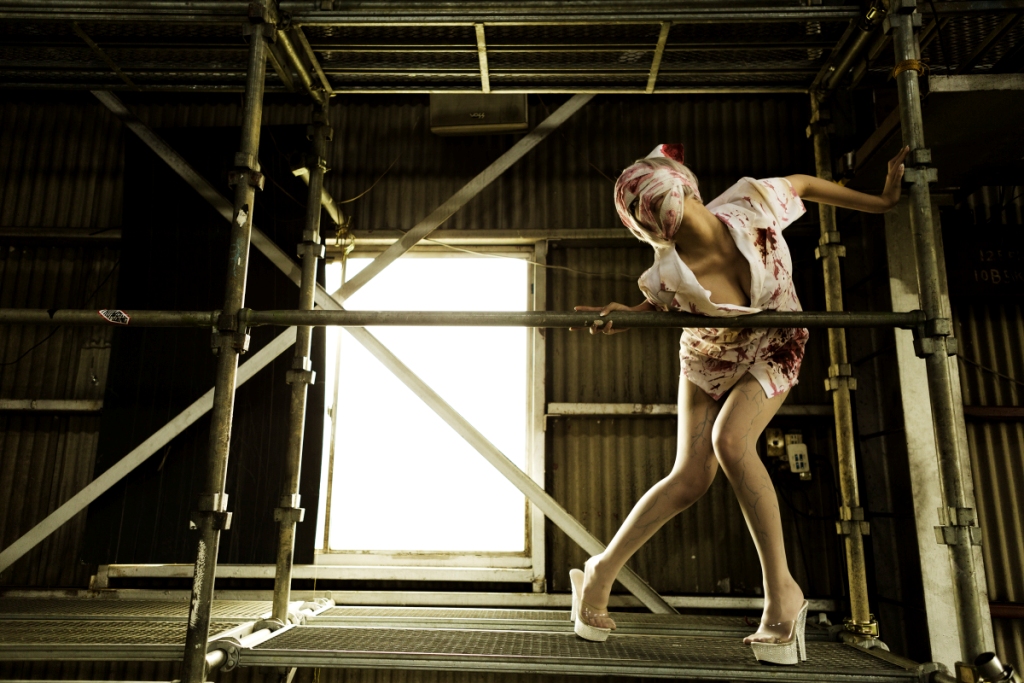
818, 190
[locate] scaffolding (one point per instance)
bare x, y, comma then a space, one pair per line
292, 633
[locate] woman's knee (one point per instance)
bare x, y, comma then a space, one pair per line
729, 446
684, 489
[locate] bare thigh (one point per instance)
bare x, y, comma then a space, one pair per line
695, 463
745, 413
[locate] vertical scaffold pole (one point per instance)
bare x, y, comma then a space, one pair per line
840, 383
230, 340
957, 528
290, 512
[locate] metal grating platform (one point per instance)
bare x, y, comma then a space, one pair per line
96, 640
138, 610
564, 653
535, 620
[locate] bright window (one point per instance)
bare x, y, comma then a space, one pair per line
403, 479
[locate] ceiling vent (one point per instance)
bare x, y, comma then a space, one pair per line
477, 114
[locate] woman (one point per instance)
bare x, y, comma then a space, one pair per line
726, 258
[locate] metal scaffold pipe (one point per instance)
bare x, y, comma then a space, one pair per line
563, 319
230, 340
290, 512
840, 382
957, 523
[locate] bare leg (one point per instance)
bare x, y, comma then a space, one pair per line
745, 414
692, 474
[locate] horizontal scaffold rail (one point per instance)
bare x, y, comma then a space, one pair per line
320, 318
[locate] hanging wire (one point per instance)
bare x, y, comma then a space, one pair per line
58, 328
573, 147
990, 370
532, 262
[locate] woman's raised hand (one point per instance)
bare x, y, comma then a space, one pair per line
891, 192
609, 327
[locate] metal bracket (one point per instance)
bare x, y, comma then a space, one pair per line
949, 535
300, 377
830, 237
827, 250
310, 248
938, 327
840, 370
301, 372
272, 624
834, 383
243, 160
935, 337
868, 628
312, 162
261, 11
289, 515
916, 18
213, 502
232, 648
254, 178
851, 520
924, 174
234, 340
220, 520
919, 157
951, 520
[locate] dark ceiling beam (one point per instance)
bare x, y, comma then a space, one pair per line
439, 12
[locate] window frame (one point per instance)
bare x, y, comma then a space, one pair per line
526, 566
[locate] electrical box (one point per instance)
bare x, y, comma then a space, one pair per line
796, 453
478, 114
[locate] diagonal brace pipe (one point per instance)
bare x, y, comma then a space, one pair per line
537, 495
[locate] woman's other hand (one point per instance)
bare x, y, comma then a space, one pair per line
891, 192
609, 327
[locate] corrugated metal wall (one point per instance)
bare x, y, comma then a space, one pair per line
991, 334
60, 166
597, 466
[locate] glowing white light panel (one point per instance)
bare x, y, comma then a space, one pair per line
403, 479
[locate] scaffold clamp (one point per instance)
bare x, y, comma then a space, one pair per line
851, 520
310, 248
925, 174
862, 628
235, 340
254, 178
289, 515
952, 520
232, 648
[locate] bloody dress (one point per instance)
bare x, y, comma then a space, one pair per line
755, 212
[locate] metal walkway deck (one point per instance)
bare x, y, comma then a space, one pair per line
512, 641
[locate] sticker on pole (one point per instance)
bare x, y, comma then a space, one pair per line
117, 317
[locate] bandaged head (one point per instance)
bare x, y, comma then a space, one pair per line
649, 195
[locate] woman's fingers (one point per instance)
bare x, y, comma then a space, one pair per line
897, 160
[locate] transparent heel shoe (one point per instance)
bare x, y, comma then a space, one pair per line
789, 651
582, 613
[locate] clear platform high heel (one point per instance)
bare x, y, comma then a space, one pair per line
789, 651
582, 613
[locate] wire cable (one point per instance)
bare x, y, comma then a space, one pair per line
531, 262
57, 329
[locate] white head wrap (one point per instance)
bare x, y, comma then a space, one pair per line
656, 192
